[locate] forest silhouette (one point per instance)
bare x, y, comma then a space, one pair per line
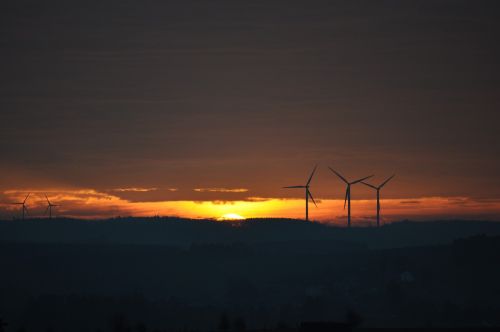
169, 274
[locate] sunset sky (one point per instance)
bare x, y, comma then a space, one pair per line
208, 108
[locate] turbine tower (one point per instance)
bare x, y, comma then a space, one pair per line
348, 193
308, 193
378, 195
49, 207
24, 209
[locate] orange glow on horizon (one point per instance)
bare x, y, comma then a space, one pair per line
91, 204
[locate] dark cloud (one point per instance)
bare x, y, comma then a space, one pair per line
228, 94
414, 202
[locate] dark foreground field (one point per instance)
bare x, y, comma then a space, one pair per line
177, 275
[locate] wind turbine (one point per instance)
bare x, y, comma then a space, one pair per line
348, 193
49, 207
378, 195
24, 209
308, 193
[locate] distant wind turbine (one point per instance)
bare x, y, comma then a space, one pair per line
348, 193
378, 195
49, 207
24, 209
308, 193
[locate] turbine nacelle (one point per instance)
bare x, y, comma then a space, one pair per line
49, 207
308, 192
381, 185
347, 199
24, 209
378, 194
348, 183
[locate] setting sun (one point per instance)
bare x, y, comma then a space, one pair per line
231, 216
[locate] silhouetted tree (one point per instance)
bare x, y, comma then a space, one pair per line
119, 324
353, 318
141, 327
393, 290
224, 323
282, 327
239, 325
2, 325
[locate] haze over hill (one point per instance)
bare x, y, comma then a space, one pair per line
173, 274
184, 232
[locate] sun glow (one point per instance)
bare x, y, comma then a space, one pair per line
231, 216
93, 204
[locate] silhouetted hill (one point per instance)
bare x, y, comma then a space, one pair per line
81, 286
184, 232
72, 275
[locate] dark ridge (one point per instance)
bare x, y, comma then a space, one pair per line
173, 231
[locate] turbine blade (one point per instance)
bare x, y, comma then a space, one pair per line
26, 198
369, 185
310, 177
311, 196
46, 210
295, 187
385, 182
340, 176
346, 192
361, 179
25, 209
47, 199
